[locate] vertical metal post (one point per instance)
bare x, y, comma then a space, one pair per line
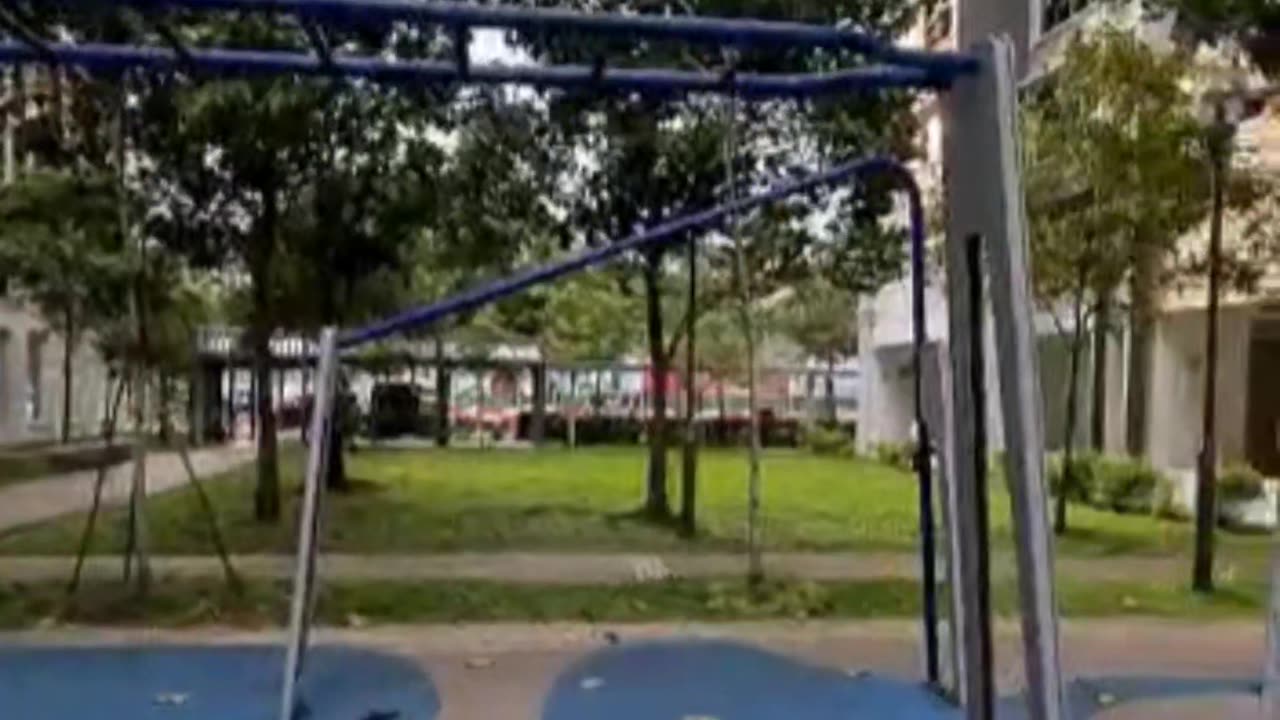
303, 599
1271, 673
1220, 146
942, 411
986, 200
984, 656
924, 439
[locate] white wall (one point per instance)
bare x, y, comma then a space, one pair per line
1177, 388
886, 403
88, 393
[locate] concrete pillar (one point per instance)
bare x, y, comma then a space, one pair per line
229, 427
280, 387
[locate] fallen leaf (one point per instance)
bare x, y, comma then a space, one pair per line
172, 698
479, 663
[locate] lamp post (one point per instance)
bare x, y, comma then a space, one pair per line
1223, 114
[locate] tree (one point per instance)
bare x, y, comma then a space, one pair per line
822, 320
60, 244
1133, 149
1114, 126
237, 169
1080, 248
652, 160
1115, 179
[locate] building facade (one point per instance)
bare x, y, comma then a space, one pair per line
31, 380
1248, 401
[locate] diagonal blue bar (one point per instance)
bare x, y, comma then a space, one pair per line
668, 233
743, 33
114, 58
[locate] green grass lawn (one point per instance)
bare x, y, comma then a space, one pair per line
439, 501
175, 603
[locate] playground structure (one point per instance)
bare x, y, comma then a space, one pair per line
986, 237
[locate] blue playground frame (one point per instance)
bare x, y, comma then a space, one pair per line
978, 87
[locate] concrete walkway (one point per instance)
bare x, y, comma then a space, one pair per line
38, 500
582, 569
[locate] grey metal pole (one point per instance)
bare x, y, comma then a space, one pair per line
301, 605
986, 199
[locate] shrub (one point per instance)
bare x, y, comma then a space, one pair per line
1125, 485
821, 440
1164, 502
1240, 483
898, 455
1079, 482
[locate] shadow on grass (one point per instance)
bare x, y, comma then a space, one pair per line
645, 517
1097, 542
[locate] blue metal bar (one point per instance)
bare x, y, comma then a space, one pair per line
665, 234
741, 33
115, 58
924, 439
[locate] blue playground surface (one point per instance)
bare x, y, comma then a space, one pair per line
705, 680
207, 683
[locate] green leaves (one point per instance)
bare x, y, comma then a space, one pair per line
59, 242
822, 319
1113, 125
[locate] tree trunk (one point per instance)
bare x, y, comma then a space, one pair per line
538, 416
1076, 340
165, 388
266, 499
689, 469
68, 354
1142, 330
443, 393
1101, 326
336, 477
138, 544
656, 504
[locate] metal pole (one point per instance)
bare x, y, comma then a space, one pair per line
924, 440
309, 522
1271, 673
1206, 479
985, 656
986, 200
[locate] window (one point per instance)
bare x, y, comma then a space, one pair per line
1057, 12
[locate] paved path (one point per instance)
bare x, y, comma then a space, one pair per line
583, 569
488, 672
31, 502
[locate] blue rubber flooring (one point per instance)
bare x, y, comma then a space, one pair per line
726, 681
207, 683
714, 680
